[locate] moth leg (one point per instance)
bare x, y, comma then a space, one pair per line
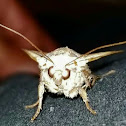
108, 73
94, 78
33, 105
89, 78
83, 94
87, 83
40, 95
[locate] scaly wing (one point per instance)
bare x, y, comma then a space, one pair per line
33, 54
84, 59
96, 56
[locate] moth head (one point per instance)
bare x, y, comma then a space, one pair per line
65, 73
58, 75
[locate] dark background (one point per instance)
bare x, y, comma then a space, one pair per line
81, 25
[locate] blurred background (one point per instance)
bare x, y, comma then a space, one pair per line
80, 25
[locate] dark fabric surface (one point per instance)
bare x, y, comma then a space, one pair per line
107, 97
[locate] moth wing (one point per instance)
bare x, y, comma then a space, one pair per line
33, 54
96, 56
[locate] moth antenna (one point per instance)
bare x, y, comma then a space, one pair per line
25, 38
95, 49
105, 46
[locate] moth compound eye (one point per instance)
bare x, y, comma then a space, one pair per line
66, 74
51, 71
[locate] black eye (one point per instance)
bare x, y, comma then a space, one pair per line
66, 74
51, 71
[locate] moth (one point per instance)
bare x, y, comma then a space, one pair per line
64, 71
